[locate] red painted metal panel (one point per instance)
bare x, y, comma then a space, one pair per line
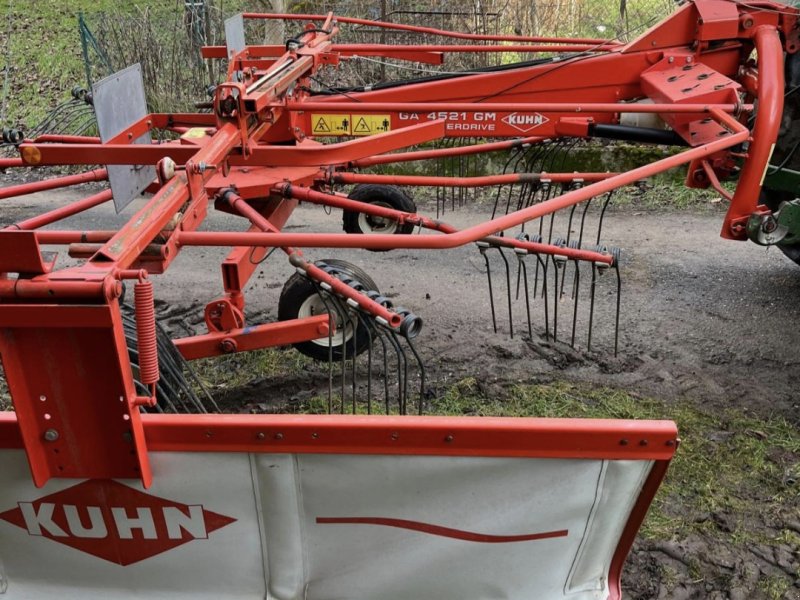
72, 388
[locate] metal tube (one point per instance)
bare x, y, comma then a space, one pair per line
768, 121
482, 181
65, 211
556, 107
443, 152
52, 184
390, 213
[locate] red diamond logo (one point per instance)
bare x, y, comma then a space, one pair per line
114, 522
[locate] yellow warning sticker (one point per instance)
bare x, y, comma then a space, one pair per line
195, 133
330, 124
370, 124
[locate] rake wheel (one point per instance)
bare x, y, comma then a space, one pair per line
381, 195
301, 298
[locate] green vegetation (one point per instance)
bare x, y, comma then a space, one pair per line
43, 51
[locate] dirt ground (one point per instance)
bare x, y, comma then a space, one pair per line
702, 320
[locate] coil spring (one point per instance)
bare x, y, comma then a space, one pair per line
146, 332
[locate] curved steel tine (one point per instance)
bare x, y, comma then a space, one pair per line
511, 156
591, 305
402, 370
508, 290
619, 298
602, 214
577, 283
368, 328
353, 362
341, 315
321, 294
572, 186
523, 266
555, 301
421, 365
379, 332
543, 264
583, 218
491, 291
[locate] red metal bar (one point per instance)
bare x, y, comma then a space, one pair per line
6, 163
307, 154
402, 217
390, 50
477, 232
482, 181
67, 139
58, 238
357, 434
269, 335
429, 30
443, 152
71, 209
714, 181
556, 107
55, 290
52, 184
378, 49
768, 121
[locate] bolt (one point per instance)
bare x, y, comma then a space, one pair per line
51, 435
670, 443
769, 225
671, 59
643, 442
623, 442
278, 436
42, 397
127, 436
315, 435
228, 346
395, 435
448, 439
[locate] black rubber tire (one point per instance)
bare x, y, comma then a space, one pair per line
772, 199
385, 195
298, 289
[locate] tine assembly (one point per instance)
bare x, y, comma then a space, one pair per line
358, 327
556, 275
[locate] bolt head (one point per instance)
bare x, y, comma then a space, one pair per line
51, 435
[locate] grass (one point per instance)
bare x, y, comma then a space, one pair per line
43, 47
236, 370
44, 53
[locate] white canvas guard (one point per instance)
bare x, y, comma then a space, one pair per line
321, 527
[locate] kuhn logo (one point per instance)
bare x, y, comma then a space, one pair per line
525, 122
114, 522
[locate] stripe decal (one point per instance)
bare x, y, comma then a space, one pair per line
428, 528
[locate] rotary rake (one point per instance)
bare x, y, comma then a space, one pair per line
283, 130
83, 363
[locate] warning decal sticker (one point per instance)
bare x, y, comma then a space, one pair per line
369, 124
324, 125
330, 124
